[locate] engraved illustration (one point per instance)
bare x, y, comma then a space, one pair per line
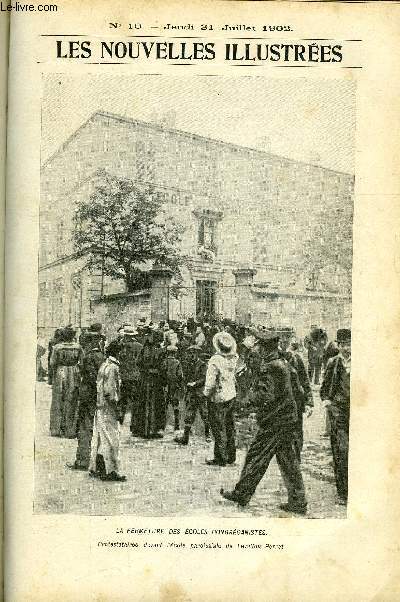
194, 302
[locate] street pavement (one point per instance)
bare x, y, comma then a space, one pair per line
165, 479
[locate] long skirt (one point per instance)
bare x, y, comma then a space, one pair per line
64, 403
105, 440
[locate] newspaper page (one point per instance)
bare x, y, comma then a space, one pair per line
202, 301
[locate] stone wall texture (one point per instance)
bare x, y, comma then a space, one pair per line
270, 207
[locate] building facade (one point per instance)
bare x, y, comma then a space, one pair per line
248, 217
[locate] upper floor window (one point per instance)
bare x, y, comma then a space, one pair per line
206, 233
207, 229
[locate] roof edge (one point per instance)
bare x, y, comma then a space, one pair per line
155, 126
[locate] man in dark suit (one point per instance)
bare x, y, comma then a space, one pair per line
315, 343
130, 374
277, 421
335, 392
300, 385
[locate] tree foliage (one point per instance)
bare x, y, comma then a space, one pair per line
123, 229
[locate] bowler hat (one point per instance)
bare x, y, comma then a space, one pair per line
68, 333
266, 337
224, 343
95, 328
343, 335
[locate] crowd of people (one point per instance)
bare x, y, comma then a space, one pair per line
208, 366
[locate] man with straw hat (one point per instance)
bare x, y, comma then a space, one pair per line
220, 388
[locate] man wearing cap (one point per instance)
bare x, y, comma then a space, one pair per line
130, 374
220, 388
335, 392
277, 420
195, 400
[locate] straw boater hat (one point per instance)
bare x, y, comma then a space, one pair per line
172, 348
249, 341
224, 343
130, 331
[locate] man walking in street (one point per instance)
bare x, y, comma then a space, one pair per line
277, 421
335, 391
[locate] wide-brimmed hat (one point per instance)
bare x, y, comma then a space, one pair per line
224, 343
195, 348
130, 331
95, 328
249, 341
172, 348
343, 335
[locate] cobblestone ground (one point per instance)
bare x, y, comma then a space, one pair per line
164, 478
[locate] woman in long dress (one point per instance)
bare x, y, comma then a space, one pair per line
65, 363
104, 456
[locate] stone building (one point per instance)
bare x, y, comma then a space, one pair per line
248, 217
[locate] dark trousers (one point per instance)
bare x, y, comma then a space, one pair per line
340, 452
196, 403
85, 433
129, 402
265, 446
173, 396
298, 437
222, 423
314, 369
